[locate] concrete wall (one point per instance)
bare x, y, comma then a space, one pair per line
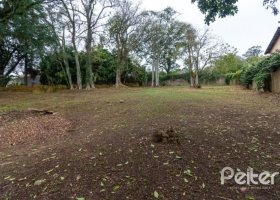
30, 82
275, 81
253, 86
221, 81
176, 82
234, 82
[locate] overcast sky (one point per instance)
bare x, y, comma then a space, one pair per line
253, 25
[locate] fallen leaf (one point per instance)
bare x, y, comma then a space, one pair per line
116, 187
39, 182
179, 157
156, 194
78, 177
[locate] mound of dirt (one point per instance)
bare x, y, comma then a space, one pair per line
168, 136
27, 127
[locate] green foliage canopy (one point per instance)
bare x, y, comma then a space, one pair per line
223, 8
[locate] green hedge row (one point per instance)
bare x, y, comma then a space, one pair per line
261, 71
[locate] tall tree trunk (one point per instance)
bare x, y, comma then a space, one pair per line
157, 71
2, 77
191, 65
1, 71
67, 69
78, 69
25, 70
66, 63
196, 71
153, 72
118, 77
191, 79
196, 79
76, 54
119, 70
89, 73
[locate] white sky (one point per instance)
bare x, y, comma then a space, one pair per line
253, 25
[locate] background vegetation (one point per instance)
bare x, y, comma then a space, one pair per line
81, 43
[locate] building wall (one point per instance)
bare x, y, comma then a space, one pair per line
275, 81
177, 82
20, 81
275, 76
276, 46
253, 86
221, 81
234, 82
36, 81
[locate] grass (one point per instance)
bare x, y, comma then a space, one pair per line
157, 96
219, 127
19, 100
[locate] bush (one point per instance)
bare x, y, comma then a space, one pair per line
4, 80
172, 76
247, 75
260, 72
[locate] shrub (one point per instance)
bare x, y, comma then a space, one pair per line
4, 80
260, 72
247, 75
173, 76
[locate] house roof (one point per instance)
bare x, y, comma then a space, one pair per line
273, 41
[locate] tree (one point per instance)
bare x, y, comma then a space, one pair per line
53, 19
201, 48
10, 9
93, 15
122, 31
225, 64
151, 44
254, 51
69, 10
105, 65
81, 18
223, 8
190, 44
173, 39
160, 39
23, 41
52, 69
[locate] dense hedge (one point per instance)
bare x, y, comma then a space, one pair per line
247, 75
261, 72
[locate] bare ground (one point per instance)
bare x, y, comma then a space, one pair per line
98, 145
